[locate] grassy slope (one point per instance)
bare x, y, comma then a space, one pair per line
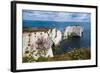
74, 54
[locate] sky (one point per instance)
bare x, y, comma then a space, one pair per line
55, 16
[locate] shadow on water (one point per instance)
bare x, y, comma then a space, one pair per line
67, 44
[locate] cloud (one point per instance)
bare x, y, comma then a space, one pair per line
55, 16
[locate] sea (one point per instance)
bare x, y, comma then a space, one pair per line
65, 45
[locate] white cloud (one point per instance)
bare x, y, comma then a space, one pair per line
55, 16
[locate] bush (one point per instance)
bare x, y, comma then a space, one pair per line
42, 59
79, 54
28, 58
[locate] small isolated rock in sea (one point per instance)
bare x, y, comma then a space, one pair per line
72, 31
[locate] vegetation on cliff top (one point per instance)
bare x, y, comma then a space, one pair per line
74, 54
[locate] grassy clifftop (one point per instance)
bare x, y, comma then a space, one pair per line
74, 54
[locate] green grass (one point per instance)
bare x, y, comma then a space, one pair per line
74, 54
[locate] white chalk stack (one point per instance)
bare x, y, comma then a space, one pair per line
73, 31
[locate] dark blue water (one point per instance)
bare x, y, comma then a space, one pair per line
65, 45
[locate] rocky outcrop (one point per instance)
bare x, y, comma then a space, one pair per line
71, 31
55, 35
38, 44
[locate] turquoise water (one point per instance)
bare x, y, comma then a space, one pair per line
65, 45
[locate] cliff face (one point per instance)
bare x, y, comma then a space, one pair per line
37, 44
55, 35
71, 31
41, 42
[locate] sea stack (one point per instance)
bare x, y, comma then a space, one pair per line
72, 31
